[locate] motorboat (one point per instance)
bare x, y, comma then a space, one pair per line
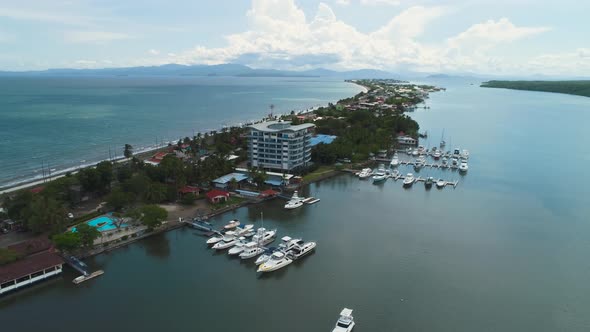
215, 239
378, 178
409, 151
251, 249
247, 230
428, 182
456, 152
394, 161
415, 153
440, 183
409, 180
365, 173
445, 161
379, 175
238, 247
232, 224
202, 225
463, 167
436, 155
465, 154
226, 243
301, 250
345, 322
277, 260
294, 202
266, 256
264, 237
395, 173
454, 162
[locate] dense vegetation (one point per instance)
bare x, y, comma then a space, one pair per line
580, 88
126, 187
360, 132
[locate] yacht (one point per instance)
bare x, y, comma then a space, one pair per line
440, 183
445, 161
456, 152
415, 153
409, 151
215, 239
346, 322
251, 249
365, 173
394, 161
294, 202
465, 154
436, 155
277, 260
454, 162
226, 243
238, 247
409, 180
232, 224
247, 230
267, 253
264, 237
395, 173
463, 167
428, 182
379, 175
300, 250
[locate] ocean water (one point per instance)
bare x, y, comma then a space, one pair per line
64, 123
506, 250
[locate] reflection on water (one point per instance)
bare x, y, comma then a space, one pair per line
157, 246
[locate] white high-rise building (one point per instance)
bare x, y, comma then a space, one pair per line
279, 145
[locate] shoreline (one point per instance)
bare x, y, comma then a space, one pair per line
15, 185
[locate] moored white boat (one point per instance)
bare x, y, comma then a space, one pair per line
345, 322
294, 202
440, 183
266, 256
238, 247
394, 161
409, 180
251, 249
232, 224
277, 260
365, 173
226, 243
216, 239
463, 167
264, 237
300, 250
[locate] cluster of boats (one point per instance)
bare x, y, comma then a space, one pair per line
455, 159
381, 174
245, 242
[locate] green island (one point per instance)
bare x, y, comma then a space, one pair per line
578, 88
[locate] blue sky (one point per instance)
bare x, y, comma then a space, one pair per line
502, 37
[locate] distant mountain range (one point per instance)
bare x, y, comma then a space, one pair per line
204, 70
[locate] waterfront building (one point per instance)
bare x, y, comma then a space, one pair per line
280, 145
38, 262
217, 196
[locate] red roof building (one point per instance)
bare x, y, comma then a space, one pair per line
268, 193
189, 190
217, 196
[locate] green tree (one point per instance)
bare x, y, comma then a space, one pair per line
153, 215
46, 214
155, 192
128, 151
87, 234
188, 199
118, 199
8, 256
67, 241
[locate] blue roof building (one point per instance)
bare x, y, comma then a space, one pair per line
320, 138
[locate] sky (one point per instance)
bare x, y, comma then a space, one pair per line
496, 37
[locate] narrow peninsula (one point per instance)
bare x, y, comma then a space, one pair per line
579, 88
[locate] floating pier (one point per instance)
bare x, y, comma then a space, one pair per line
81, 267
311, 200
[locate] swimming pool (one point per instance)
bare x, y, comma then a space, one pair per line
103, 223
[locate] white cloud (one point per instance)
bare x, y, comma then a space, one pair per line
95, 37
343, 2
575, 63
154, 52
380, 2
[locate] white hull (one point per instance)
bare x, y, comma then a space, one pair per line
224, 245
251, 254
273, 267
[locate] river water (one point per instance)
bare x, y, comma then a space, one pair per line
507, 250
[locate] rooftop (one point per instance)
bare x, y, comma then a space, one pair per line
227, 178
28, 265
320, 138
277, 126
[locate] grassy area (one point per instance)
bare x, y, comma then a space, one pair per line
318, 173
579, 88
231, 201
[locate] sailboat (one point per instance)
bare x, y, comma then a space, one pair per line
442, 139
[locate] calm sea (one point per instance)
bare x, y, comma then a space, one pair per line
507, 250
69, 122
